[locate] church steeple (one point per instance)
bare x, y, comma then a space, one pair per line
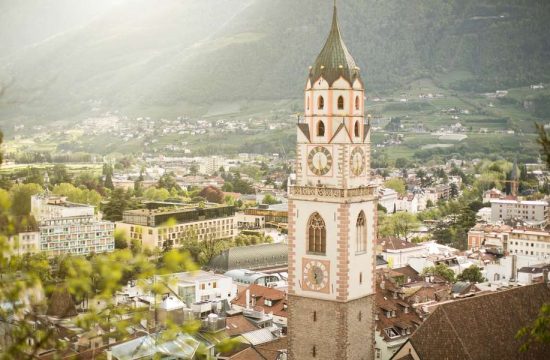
334, 60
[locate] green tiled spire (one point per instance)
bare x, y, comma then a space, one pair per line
334, 60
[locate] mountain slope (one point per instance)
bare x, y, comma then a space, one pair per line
140, 55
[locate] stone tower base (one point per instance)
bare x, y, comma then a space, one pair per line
320, 329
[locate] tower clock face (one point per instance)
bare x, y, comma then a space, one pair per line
316, 275
357, 161
319, 160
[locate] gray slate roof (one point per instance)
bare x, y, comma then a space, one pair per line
334, 60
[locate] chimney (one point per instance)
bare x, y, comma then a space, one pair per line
247, 299
514, 267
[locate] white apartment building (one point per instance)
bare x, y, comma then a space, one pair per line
24, 243
388, 199
69, 228
531, 242
532, 212
199, 287
408, 203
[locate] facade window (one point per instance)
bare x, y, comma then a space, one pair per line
356, 128
361, 233
314, 351
320, 128
307, 103
317, 234
340, 103
315, 316
357, 103
321, 103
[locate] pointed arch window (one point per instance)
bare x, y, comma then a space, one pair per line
321, 103
340, 103
357, 103
361, 233
356, 129
317, 235
320, 128
307, 103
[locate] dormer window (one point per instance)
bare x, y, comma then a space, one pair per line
340, 103
321, 103
268, 302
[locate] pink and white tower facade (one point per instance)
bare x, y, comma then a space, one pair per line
332, 215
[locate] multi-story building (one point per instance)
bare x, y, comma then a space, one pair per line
27, 242
198, 287
530, 212
274, 215
174, 225
488, 236
531, 242
69, 228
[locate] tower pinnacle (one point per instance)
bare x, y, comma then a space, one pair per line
334, 60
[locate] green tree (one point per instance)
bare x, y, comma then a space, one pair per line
119, 201
440, 270
168, 182
544, 142
21, 198
472, 274
454, 190
396, 184
538, 332
194, 169
121, 239
78, 195
227, 186
269, 200
109, 181
156, 194
59, 174
401, 163
400, 224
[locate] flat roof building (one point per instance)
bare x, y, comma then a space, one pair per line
172, 226
70, 228
530, 212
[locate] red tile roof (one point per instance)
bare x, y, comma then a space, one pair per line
258, 296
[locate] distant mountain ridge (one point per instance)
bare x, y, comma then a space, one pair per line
138, 55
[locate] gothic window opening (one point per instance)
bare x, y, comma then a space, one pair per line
317, 234
340, 103
361, 233
357, 103
321, 103
307, 103
356, 128
320, 128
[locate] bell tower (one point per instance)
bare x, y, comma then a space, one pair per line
332, 215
